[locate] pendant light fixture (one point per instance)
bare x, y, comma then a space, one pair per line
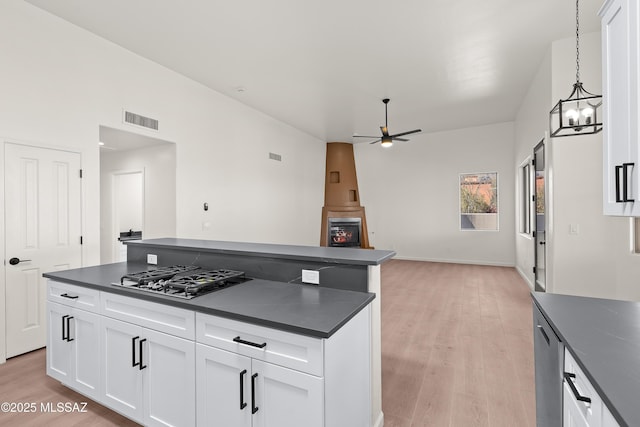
579, 114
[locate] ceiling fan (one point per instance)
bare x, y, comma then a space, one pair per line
386, 140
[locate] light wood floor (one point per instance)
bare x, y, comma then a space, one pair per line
457, 350
457, 346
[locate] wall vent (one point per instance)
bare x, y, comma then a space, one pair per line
138, 120
274, 156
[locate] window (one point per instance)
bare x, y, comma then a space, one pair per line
525, 197
479, 201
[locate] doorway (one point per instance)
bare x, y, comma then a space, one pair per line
137, 189
42, 211
539, 199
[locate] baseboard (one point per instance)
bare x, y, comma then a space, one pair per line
526, 279
380, 421
457, 261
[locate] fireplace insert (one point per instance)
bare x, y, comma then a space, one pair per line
344, 232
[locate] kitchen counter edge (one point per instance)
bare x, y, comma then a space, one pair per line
101, 278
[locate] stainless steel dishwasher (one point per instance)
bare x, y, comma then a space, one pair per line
549, 358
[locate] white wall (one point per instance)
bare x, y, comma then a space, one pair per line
159, 166
59, 83
411, 194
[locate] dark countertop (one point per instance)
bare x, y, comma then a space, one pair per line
604, 337
353, 256
302, 309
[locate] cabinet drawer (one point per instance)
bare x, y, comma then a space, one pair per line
281, 348
73, 296
592, 412
159, 317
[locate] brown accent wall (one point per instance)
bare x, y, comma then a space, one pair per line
341, 195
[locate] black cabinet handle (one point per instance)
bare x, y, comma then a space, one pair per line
64, 336
243, 404
567, 377
618, 198
544, 334
16, 261
625, 176
254, 408
133, 352
69, 339
65, 295
142, 366
241, 341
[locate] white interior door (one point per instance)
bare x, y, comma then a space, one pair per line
43, 232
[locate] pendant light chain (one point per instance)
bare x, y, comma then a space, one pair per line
577, 43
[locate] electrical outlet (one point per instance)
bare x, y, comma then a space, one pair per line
311, 277
152, 259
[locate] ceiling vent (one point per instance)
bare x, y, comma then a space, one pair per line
138, 120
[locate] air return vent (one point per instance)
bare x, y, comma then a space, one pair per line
138, 120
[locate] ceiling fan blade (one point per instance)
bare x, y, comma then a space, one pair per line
385, 131
364, 136
406, 133
400, 139
376, 141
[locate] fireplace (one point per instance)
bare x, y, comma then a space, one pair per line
344, 223
344, 232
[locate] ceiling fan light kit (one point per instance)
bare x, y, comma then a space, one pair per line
386, 140
579, 114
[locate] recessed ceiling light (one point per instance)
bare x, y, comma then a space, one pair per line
100, 143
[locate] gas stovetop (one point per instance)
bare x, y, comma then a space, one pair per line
182, 281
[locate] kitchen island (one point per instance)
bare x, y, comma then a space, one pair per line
603, 338
302, 353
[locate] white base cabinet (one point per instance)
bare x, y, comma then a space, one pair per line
164, 366
148, 376
582, 406
261, 377
73, 348
235, 390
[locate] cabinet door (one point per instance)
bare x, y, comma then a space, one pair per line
286, 398
572, 414
169, 379
84, 331
223, 387
122, 381
620, 94
59, 363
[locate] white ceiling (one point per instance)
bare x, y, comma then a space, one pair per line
324, 66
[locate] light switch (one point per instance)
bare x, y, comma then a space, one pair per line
152, 259
574, 229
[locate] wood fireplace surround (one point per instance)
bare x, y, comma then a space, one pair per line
341, 195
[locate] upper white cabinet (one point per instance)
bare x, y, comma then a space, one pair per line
621, 154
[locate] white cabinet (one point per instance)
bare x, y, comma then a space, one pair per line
235, 390
582, 406
148, 376
252, 376
73, 348
621, 154
165, 366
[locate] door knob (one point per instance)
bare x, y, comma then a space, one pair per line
16, 261
543, 243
